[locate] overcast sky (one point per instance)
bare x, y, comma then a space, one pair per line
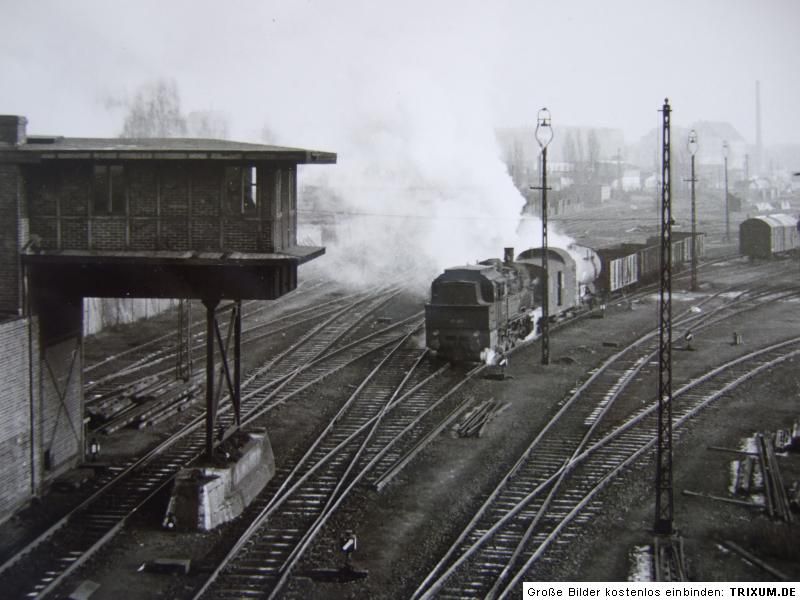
305, 69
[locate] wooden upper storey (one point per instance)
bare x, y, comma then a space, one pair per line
158, 205
158, 194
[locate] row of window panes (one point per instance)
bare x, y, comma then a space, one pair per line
241, 190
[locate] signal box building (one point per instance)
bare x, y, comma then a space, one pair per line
147, 218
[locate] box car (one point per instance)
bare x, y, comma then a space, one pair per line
619, 268
767, 235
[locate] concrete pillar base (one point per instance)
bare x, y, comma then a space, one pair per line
205, 497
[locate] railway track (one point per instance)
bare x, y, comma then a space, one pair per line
392, 412
39, 567
165, 396
599, 430
157, 356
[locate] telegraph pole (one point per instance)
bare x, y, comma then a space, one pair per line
727, 205
664, 496
693, 151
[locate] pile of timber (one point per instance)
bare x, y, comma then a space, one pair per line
110, 405
744, 476
476, 419
777, 500
144, 405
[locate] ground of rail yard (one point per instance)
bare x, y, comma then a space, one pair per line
404, 529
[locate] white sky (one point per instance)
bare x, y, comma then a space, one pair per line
311, 69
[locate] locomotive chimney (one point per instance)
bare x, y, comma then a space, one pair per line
508, 255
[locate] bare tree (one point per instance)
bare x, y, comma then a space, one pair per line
155, 112
570, 152
593, 149
268, 135
207, 124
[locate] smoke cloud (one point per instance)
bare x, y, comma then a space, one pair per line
419, 184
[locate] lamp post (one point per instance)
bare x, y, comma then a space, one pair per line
727, 211
544, 135
693, 150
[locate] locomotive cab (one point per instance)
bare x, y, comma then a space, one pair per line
478, 307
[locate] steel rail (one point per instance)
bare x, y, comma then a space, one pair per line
429, 587
53, 579
283, 494
302, 286
684, 413
349, 418
164, 354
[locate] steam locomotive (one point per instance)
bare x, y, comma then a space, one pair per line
495, 304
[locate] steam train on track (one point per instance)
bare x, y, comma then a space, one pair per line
495, 304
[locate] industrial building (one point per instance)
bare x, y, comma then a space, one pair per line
139, 218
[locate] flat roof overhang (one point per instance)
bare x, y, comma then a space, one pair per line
163, 274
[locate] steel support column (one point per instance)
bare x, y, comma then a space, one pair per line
211, 402
237, 367
233, 380
664, 496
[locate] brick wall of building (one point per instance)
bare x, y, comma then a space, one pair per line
18, 385
10, 238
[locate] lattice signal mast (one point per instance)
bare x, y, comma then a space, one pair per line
664, 497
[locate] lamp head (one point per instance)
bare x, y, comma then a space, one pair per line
692, 142
544, 131
725, 148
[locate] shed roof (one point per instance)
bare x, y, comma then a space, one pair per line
39, 147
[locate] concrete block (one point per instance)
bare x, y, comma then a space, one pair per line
205, 497
167, 565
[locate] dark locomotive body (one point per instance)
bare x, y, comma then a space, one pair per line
492, 306
475, 307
